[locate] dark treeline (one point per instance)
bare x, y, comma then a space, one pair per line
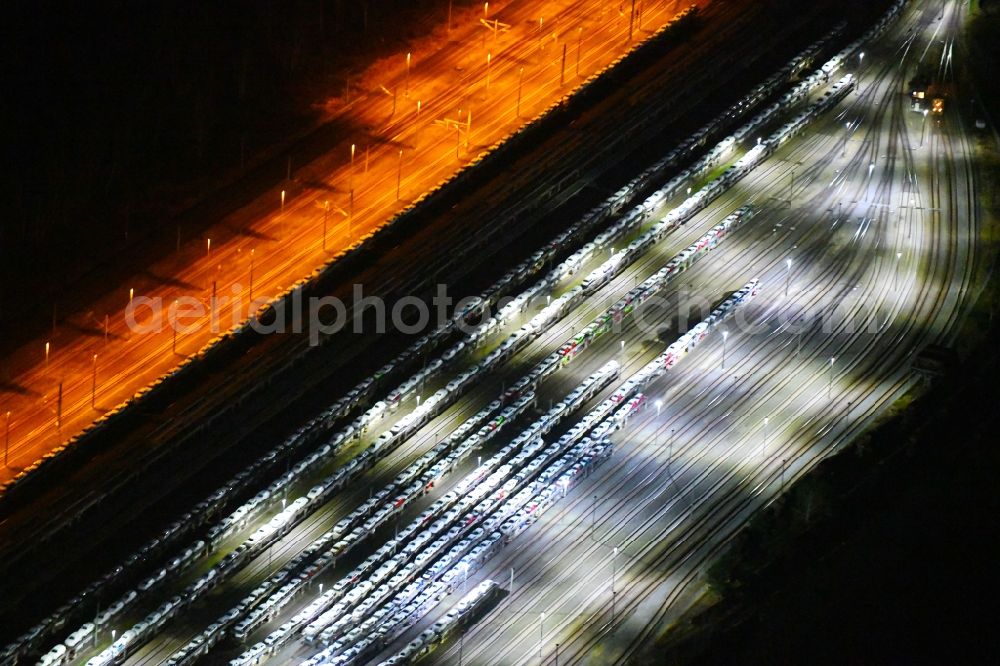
123, 113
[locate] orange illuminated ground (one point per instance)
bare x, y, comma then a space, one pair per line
469, 69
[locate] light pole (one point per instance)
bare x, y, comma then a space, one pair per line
659, 406
593, 507
788, 274
489, 60
321, 588
923, 127
614, 571
351, 177
725, 337
406, 89
623, 345
562, 67
48, 346
173, 325
326, 214
579, 40
282, 201
520, 80
829, 390
896, 273
399, 172
541, 632
416, 130
251, 274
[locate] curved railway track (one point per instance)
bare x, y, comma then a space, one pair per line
753, 476
715, 477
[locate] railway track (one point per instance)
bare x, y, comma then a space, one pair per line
847, 268
931, 300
